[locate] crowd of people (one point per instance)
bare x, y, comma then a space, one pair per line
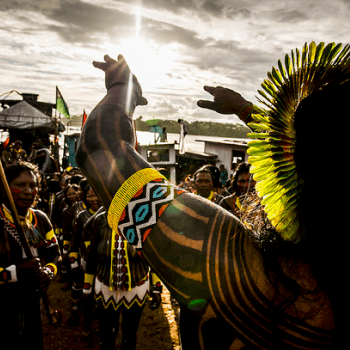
63, 215
38, 154
212, 182
64, 208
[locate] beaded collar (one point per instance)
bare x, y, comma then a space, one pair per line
30, 218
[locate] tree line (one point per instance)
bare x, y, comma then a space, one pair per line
205, 128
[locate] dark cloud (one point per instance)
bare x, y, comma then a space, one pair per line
77, 21
165, 33
83, 22
225, 9
213, 7
294, 16
90, 17
228, 54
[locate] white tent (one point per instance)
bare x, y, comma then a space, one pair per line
23, 115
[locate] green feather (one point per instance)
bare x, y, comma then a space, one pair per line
271, 150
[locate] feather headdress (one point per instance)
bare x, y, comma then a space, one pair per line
271, 151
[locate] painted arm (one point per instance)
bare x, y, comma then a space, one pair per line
106, 152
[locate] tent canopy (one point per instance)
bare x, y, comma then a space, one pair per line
22, 115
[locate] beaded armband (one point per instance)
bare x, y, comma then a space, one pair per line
128, 189
73, 260
58, 232
50, 269
246, 112
66, 247
156, 284
88, 282
51, 239
136, 207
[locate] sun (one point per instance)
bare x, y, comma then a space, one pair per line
150, 62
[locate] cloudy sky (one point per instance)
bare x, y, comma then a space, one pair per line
174, 47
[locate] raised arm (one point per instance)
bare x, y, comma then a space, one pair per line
227, 101
106, 153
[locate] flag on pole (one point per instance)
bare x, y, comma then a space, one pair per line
84, 119
61, 105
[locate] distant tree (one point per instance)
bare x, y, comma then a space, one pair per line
199, 127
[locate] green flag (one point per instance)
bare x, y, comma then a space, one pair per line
61, 105
152, 121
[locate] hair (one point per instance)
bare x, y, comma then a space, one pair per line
201, 171
65, 190
321, 209
14, 170
75, 179
322, 121
53, 186
241, 168
65, 180
85, 186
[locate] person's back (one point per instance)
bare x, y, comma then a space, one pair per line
269, 286
293, 143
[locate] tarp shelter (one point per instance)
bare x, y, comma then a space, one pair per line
24, 116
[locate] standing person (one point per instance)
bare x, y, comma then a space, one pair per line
183, 133
71, 196
18, 153
40, 156
164, 136
284, 160
22, 280
241, 185
223, 174
53, 188
6, 149
215, 174
281, 284
80, 204
57, 209
121, 288
204, 185
77, 253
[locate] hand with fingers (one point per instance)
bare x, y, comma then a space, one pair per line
117, 72
43, 281
31, 273
226, 101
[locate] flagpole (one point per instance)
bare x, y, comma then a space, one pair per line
62, 107
56, 148
56, 145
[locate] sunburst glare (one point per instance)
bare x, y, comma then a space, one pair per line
148, 60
